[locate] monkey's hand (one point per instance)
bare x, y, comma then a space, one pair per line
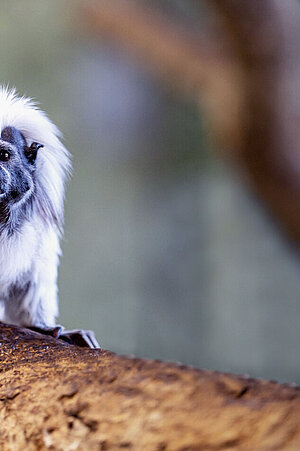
82, 338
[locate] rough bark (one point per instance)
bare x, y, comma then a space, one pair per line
61, 397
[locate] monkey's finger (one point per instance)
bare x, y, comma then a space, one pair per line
53, 331
83, 338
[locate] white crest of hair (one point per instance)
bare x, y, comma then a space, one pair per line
33, 252
53, 163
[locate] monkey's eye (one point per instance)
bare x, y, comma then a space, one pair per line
4, 155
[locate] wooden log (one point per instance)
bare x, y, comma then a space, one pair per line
60, 397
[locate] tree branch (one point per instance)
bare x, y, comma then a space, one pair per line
58, 396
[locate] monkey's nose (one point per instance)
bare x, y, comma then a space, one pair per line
4, 181
3, 189
2, 192
3, 186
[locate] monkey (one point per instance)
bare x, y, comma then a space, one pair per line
34, 165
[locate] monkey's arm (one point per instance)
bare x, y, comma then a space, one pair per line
32, 301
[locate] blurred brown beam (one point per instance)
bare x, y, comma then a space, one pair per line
265, 37
195, 65
245, 87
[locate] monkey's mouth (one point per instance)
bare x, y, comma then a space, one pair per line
19, 198
14, 197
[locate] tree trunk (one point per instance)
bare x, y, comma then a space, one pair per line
61, 397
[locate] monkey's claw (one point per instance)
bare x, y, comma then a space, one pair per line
82, 338
79, 337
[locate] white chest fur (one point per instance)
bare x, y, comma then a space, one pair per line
17, 254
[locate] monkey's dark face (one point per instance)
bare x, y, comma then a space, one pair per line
17, 166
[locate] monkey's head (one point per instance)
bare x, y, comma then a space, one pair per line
31, 180
17, 166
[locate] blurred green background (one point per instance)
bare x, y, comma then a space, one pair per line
166, 254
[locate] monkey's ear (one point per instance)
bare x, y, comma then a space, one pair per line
31, 152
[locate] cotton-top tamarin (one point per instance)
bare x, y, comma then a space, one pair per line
33, 167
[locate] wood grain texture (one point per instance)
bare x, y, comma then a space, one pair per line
55, 396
